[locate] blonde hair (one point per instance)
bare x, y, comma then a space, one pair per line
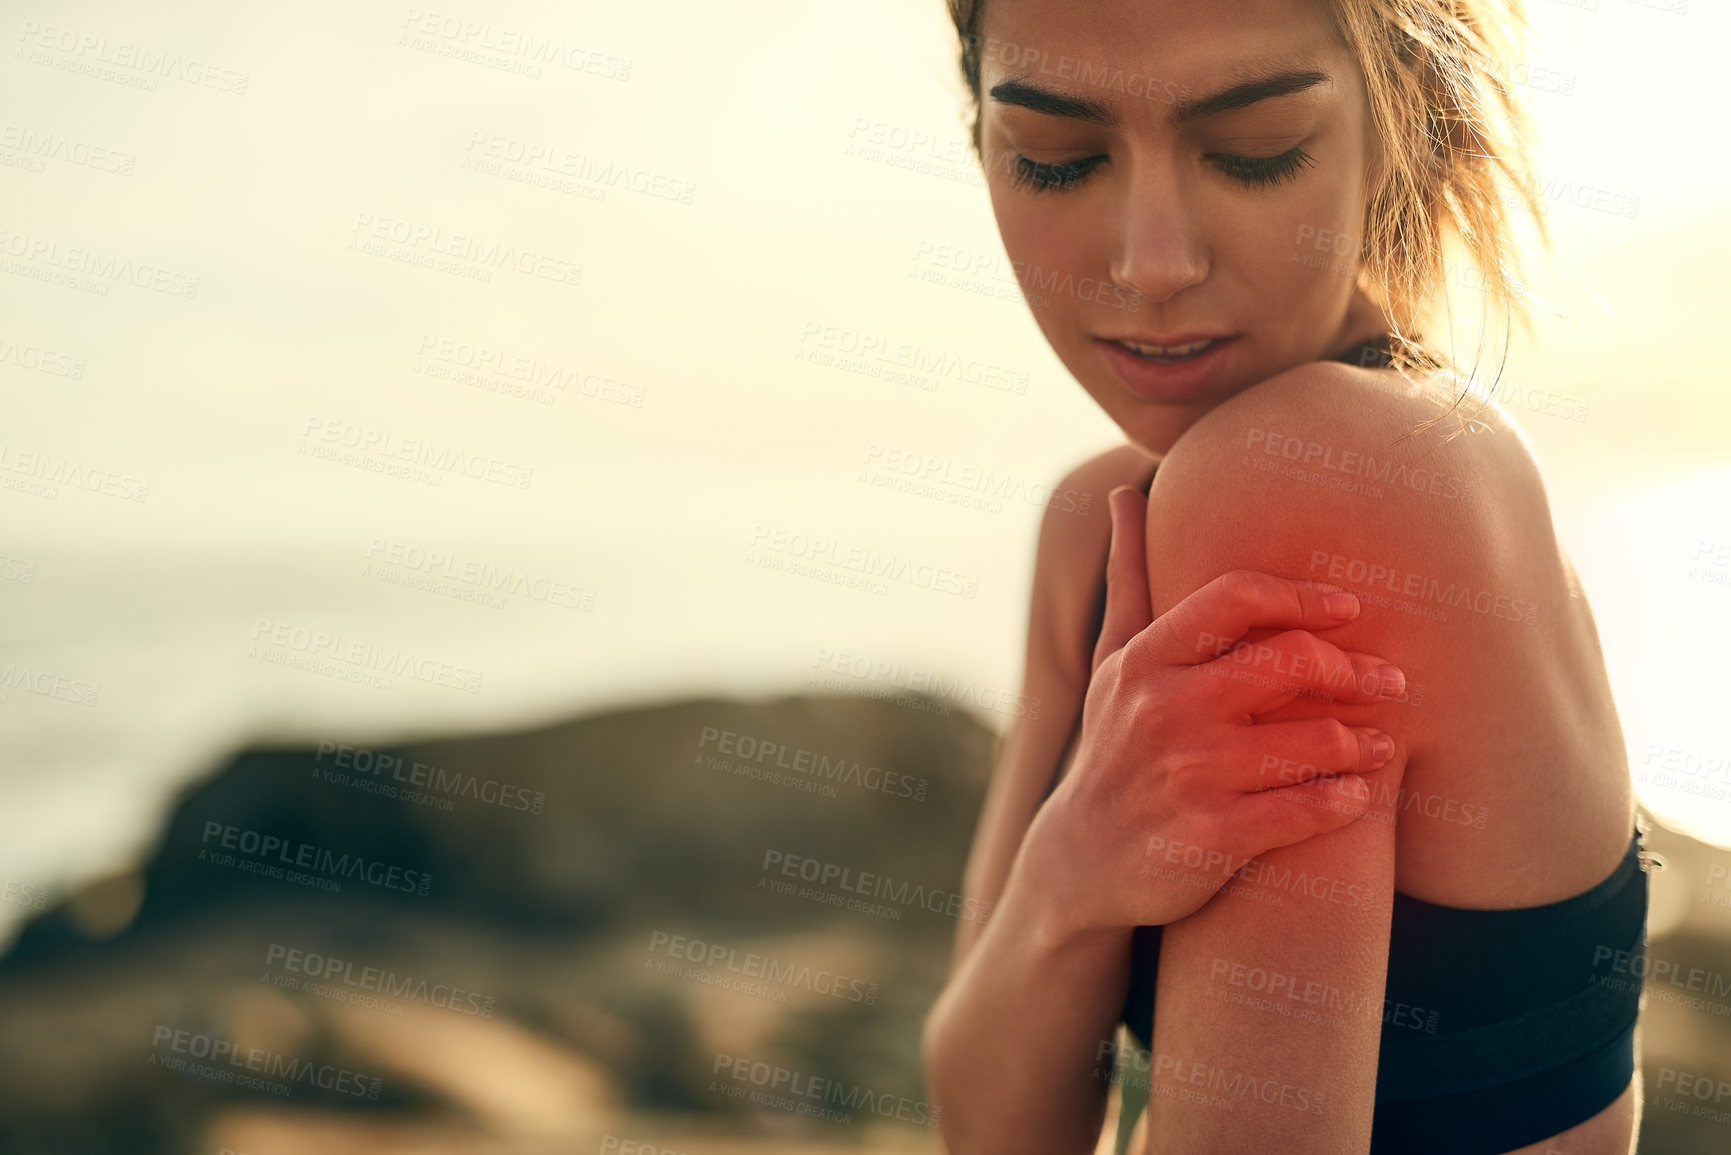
1455, 147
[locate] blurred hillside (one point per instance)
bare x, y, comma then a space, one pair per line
600, 947
555, 928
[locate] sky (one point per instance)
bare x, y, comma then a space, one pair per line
253, 278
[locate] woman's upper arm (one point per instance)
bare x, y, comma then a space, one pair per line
1068, 564
1268, 1000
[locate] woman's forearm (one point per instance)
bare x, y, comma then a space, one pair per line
1270, 1000
1017, 1048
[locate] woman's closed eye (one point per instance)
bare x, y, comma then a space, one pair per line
1042, 176
1261, 171
1251, 171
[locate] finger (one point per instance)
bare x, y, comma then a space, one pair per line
1215, 617
1260, 676
1276, 755
1128, 610
1367, 678
1274, 818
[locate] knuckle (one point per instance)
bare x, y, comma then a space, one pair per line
1197, 689
1314, 650
1239, 587
1140, 714
1208, 831
1156, 634
1343, 741
1109, 680
1134, 653
1181, 764
1156, 713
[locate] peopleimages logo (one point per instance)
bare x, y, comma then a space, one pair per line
934, 473
63, 687
90, 50
1033, 282
262, 849
478, 577
45, 466
807, 1094
815, 764
268, 1063
325, 971
387, 446
917, 680
776, 545
453, 356
306, 642
1417, 587
103, 266
845, 878
361, 763
1355, 463
472, 40
41, 359
1090, 72
23, 894
372, 232
751, 965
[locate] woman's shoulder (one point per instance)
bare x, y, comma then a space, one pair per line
1434, 412
1445, 533
1077, 523
1120, 465
1376, 446
1070, 561
1328, 473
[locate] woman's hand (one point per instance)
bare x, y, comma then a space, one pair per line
1174, 786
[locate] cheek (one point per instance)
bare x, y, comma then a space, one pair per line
1035, 230
1300, 251
1047, 240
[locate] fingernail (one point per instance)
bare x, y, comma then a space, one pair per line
1341, 605
1381, 748
1393, 681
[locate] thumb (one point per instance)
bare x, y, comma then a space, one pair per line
1128, 609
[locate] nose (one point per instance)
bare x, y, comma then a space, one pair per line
1161, 248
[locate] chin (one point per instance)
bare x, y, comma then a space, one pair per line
1154, 434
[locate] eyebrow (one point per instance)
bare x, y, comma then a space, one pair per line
1024, 95
1248, 93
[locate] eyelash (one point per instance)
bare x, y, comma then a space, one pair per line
1038, 176
1251, 171
1262, 171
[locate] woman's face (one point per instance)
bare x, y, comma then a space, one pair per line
1167, 172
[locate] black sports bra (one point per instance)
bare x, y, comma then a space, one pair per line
1500, 1027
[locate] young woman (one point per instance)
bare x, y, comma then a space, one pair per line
1357, 870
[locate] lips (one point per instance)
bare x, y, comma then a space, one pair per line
1167, 351
1169, 367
